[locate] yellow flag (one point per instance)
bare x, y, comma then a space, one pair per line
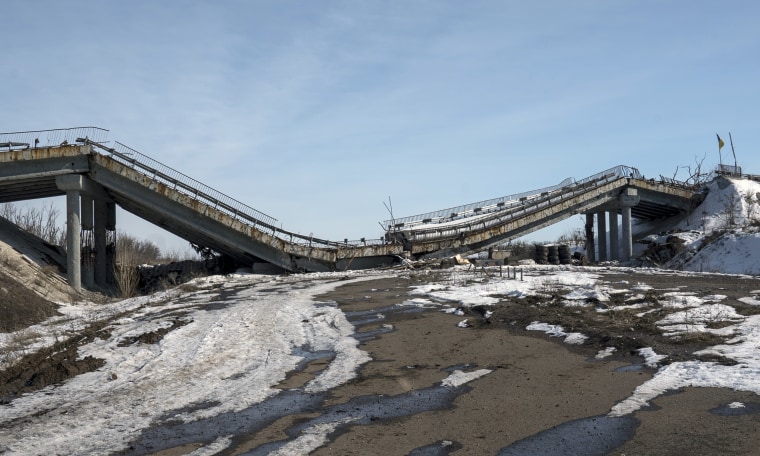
720, 142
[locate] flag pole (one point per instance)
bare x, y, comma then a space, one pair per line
731, 140
720, 145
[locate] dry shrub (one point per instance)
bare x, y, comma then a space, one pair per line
126, 266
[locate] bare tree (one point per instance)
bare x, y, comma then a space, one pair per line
126, 265
141, 251
729, 210
696, 176
751, 201
42, 223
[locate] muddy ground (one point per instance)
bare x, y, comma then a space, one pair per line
540, 383
540, 389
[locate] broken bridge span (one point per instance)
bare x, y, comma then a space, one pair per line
96, 176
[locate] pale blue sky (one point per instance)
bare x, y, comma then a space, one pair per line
315, 112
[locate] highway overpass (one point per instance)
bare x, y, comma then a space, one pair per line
96, 175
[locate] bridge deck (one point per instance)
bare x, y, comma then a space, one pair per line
204, 216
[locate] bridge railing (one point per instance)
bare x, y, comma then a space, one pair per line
233, 208
527, 206
502, 204
469, 210
50, 138
191, 187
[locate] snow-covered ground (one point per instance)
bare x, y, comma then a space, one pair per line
244, 333
239, 336
240, 339
723, 233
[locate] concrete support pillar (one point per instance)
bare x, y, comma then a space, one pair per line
73, 240
628, 198
627, 238
111, 243
590, 252
601, 235
88, 273
99, 233
87, 217
86, 207
614, 236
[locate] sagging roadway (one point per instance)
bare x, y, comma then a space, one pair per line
96, 176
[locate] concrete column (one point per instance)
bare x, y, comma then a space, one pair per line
110, 249
87, 217
614, 236
590, 252
73, 240
82, 215
99, 233
601, 235
88, 273
627, 238
628, 198
111, 216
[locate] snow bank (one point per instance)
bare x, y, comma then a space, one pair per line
241, 338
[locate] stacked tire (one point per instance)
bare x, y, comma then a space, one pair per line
542, 254
553, 255
564, 254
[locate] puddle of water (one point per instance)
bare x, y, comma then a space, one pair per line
461, 367
366, 336
630, 368
371, 409
363, 313
736, 409
309, 356
244, 422
367, 320
440, 448
594, 436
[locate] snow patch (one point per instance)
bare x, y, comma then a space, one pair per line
459, 378
558, 331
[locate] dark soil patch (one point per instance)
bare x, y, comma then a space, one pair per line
626, 330
153, 337
20, 307
50, 365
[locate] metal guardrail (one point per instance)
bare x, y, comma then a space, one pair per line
233, 208
431, 232
729, 170
481, 214
51, 138
501, 204
161, 173
468, 210
191, 187
541, 201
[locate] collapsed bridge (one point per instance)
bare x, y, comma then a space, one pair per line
96, 176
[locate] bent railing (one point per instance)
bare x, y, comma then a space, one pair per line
441, 224
198, 191
498, 204
534, 201
50, 138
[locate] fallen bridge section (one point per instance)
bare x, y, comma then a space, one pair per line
620, 190
95, 177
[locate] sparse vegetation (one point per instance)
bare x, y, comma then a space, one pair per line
42, 223
696, 177
128, 256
